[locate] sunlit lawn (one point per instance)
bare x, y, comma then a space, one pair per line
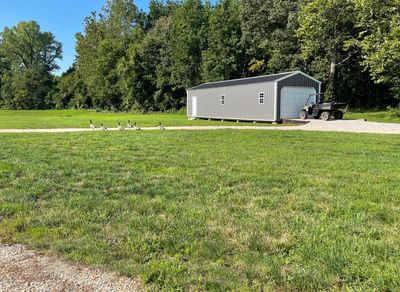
372, 116
223, 210
80, 119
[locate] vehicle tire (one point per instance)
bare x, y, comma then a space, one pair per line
338, 115
325, 116
303, 115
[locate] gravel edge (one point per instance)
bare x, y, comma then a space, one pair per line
24, 270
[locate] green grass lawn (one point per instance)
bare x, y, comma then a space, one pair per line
80, 119
223, 210
372, 116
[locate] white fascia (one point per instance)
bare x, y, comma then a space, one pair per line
276, 101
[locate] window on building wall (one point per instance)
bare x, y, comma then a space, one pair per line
222, 99
261, 98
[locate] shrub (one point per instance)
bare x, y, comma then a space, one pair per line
393, 112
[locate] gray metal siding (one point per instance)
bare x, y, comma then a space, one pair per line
296, 80
241, 102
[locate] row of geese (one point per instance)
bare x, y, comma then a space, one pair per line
129, 126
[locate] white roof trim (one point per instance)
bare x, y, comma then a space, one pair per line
288, 76
295, 73
247, 78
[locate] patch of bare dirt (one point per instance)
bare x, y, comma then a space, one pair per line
24, 270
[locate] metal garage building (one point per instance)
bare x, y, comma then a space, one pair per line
266, 98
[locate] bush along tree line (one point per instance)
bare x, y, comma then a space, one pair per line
127, 59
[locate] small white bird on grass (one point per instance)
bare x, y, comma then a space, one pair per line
92, 126
103, 128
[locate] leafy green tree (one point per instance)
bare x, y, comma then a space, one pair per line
151, 56
4, 68
128, 59
102, 50
26, 89
254, 15
268, 35
159, 9
70, 91
31, 56
24, 45
379, 21
224, 57
119, 18
149, 69
283, 44
132, 72
170, 95
189, 26
328, 29
87, 45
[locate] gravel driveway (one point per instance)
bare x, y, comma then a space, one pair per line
352, 126
24, 270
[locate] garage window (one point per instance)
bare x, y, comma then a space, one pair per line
222, 99
261, 98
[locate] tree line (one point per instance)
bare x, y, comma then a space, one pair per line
127, 59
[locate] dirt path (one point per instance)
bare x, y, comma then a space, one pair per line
24, 270
352, 126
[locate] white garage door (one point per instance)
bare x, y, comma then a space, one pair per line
293, 99
194, 106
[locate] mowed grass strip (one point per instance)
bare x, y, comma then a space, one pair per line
223, 210
49, 119
379, 116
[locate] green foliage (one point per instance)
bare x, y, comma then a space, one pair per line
102, 51
159, 9
151, 63
254, 15
131, 60
283, 43
4, 68
268, 34
27, 89
189, 41
224, 57
24, 45
327, 29
70, 91
209, 211
393, 112
326, 26
27, 58
379, 22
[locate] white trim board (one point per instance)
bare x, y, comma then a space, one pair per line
298, 72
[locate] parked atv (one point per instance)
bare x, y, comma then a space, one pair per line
319, 109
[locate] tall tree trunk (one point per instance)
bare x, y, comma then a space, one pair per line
332, 77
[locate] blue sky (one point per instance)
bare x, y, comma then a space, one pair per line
63, 18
